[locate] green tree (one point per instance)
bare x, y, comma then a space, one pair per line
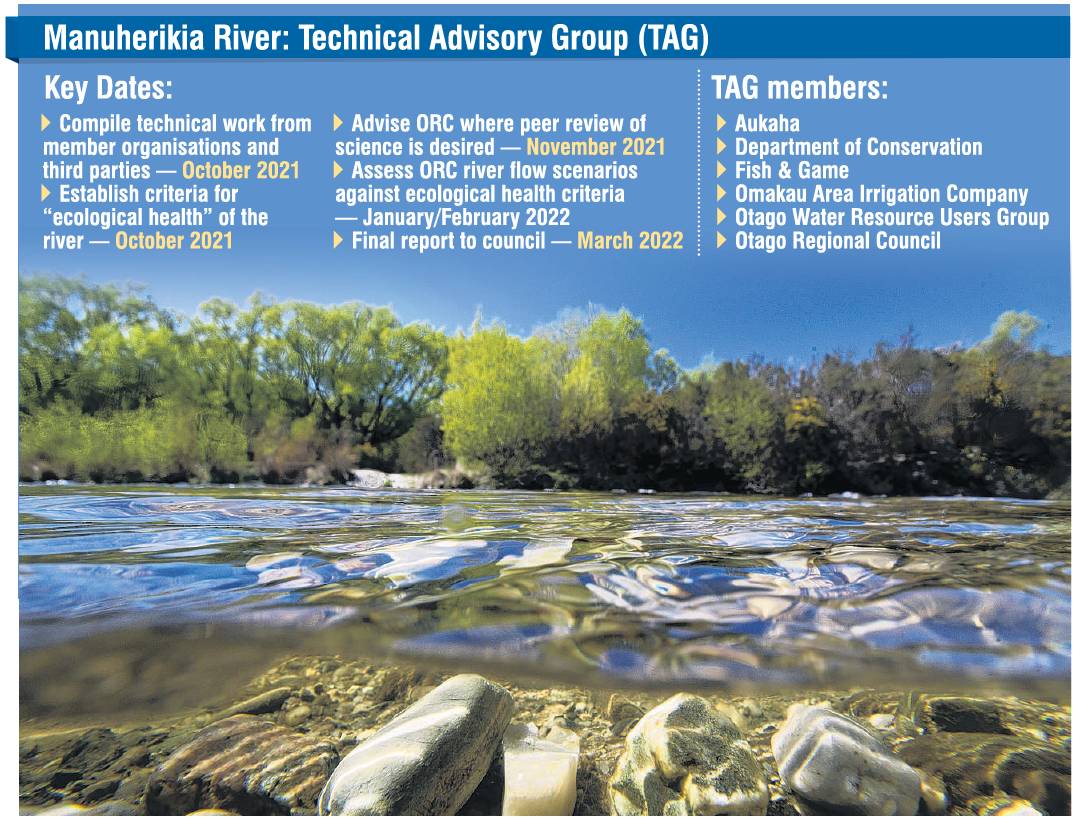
228, 356
356, 367
56, 318
742, 414
610, 366
500, 406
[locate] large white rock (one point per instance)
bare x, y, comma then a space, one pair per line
427, 760
405, 482
369, 478
685, 757
836, 765
541, 773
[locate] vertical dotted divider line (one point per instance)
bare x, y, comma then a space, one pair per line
698, 162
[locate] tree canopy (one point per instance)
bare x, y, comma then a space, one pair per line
113, 387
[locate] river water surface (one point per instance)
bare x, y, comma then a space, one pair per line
154, 598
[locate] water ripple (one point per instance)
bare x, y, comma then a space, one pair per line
683, 587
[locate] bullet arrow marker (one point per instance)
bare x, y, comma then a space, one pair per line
720, 145
720, 169
720, 193
337, 170
45, 121
44, 192
720, 240
337, 122
336, 240
720, 121
720, 215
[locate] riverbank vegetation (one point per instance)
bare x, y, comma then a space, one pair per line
113, 387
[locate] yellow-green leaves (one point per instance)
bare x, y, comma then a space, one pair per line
500, 403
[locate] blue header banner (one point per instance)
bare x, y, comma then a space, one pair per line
540, 37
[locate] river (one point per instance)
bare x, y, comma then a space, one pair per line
139, 603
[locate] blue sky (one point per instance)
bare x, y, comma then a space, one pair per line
786, 306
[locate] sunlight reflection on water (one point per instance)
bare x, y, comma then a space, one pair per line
711, 588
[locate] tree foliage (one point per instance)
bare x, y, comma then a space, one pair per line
112, 387
293, 387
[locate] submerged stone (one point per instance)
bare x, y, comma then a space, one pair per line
619, 707
684, 757
953, 713
1004, 807
108, 807
834, 764
427, 760
541, 773
242, 764
262, 704
974, 765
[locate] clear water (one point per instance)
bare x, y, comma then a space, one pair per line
179, 586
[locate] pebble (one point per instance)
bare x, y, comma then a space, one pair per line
1004, 806
881, 721
540, 773
620, 707
750, 708
953, 713
834, 763
934, 793
427, 760
107, 807
684, 757
297, 715
262, 704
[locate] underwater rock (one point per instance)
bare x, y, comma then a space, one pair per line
865, 702
1001, 806
934, 794
108, 807
242, 764
623, 713
973, 765
297, 715
684, 757
427, 760
953, 713
261, 704
881, 721
834, 764
541, 773
749, 708
392, 684
90, 767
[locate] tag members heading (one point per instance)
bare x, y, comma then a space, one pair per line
747, 86
421, 38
